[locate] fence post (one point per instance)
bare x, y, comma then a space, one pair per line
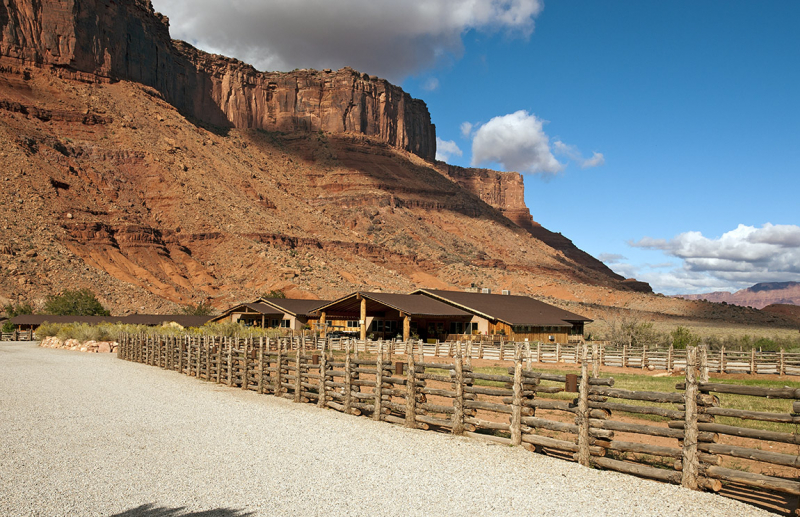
411, 391
297, 380
348, 396
458, 401
208, 358
781, 364
376, 414
323, 371
689, 454
469, 354
528, 364
670, 358
722, 360
180, 356
558, 352
516, 401
753, 368
595, 361
278, 367
538, 351
260, 365
218, 348
703, 360
583, 411
644, 357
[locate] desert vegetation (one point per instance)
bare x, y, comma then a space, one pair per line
635, 332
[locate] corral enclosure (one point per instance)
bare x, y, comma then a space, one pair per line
671, 436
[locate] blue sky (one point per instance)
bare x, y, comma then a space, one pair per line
662, 137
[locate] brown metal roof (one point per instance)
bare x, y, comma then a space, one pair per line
377, 303
514, 310
295, 307
255, 307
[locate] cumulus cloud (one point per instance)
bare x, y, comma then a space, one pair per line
572, 152
388, 38
466, 129
445, 149
739, 258
517, 142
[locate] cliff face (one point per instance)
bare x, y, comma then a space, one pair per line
505, 191
105, 40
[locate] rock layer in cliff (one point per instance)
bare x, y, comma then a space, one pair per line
128, 40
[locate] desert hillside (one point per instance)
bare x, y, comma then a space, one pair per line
159, 176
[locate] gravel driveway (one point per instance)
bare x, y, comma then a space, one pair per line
89, 434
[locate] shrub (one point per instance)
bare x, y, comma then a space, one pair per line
12, 310
201, 309
81, 302
683, 337
47, 329
275, 293
8, 326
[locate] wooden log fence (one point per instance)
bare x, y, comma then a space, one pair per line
594, 428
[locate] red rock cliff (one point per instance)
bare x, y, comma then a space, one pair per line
505, 191
127, 39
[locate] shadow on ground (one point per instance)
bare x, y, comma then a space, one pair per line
151, 510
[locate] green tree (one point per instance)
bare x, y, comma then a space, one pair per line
201, 309
81, 302
12, 310
8, 326
275, 293
683, 337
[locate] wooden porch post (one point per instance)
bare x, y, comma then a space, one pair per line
363, 318
323, 332
406, 327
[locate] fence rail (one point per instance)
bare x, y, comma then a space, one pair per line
18, 335
668, 436
668, 359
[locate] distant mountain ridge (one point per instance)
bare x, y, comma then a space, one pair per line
759, 296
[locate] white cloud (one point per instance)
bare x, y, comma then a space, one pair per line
383, 37
572, 152
517, 142
430, 84
445, 149
737, 259
466, 129
596, 160
611, 258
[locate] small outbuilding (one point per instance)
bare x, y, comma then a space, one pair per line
286, 313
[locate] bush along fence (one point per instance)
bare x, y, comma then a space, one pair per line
667, 436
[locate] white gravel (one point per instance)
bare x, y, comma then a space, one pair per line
89, 434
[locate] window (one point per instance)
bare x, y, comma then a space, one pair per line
461, 327
352, 324
276, 323
285, 324
387, 326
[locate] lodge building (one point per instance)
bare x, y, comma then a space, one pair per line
425, 314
